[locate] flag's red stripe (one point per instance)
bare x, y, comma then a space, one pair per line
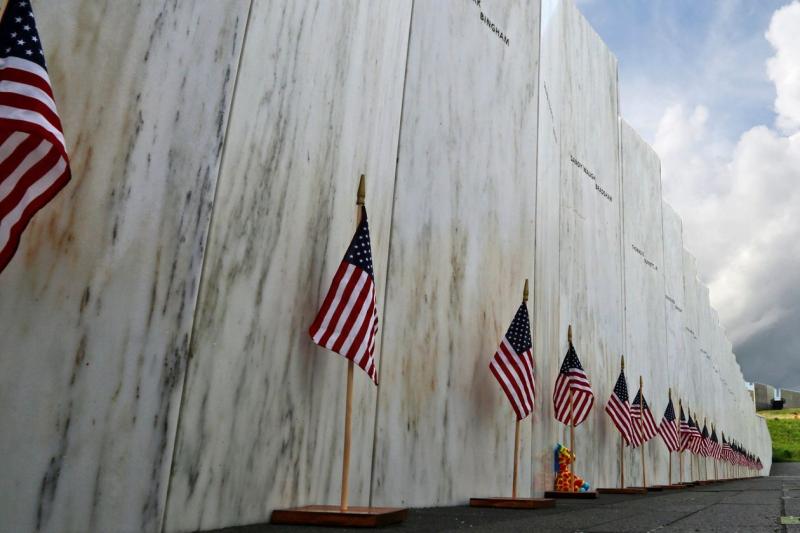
35, 173
17, 156
316, 326
333, 324
28, 78
32, 104
355, 309
362, 342
520, 382
501, 365
509, 395
16, 231
34, 129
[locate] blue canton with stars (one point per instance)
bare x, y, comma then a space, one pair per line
621, 388
669, 414
18, 35
519, 332
359, 253
638, 399
570, 361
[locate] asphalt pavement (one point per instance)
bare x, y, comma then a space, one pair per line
753, 506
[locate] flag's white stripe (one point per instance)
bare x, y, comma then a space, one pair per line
25, 89
510, 358
24, 64
505, 368
11, 144
352, 299
38, 188
508, 386
11, 181
527, 375
366, 307
365, 348
15, 113
323, 328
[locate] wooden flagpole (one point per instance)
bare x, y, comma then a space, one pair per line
641, 428
516, 429
669, 452
348, 410
3, 6
571, 425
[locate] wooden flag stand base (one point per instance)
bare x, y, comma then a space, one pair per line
514, 502
626, 490
343, 515
565, 494
332, 515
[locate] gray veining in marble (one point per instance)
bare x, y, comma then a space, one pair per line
643, 256
317, 103
461, 248
97, 306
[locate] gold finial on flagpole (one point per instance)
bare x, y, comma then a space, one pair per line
569, 334
362, 191
525, 291
622, 361
669, 394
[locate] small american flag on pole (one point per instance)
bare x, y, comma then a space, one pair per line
347, 322
696, 439
685, 431
705, 442
512, 364
572, 377
618, 408
667, 429
642, 419
33, 156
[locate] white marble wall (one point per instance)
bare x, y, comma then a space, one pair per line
675, 309
483, 167
318, 103
643, 257
461, 247
96, 308
591, 295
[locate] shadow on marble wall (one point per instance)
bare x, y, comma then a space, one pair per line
97, 306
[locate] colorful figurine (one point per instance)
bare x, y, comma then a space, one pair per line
563, 458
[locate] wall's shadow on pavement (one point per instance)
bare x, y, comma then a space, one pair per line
785, 469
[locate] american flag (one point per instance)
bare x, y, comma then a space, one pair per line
705, 442
512, 364
685, 432
33, 157
642, 418
572, 377
716, 449
727, 451
696, 441
667, 429
618, 408
348, 319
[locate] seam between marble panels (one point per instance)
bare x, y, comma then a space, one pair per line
389, 252
209, 228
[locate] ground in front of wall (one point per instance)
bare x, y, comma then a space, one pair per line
753, 506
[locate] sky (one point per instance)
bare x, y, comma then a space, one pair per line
714, 87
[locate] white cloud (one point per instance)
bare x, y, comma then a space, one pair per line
740, 203
784, 67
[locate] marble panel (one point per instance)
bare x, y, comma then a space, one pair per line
317, 103
580, 165
643, 276
675, 307
461, 247
97, 306
546, 321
